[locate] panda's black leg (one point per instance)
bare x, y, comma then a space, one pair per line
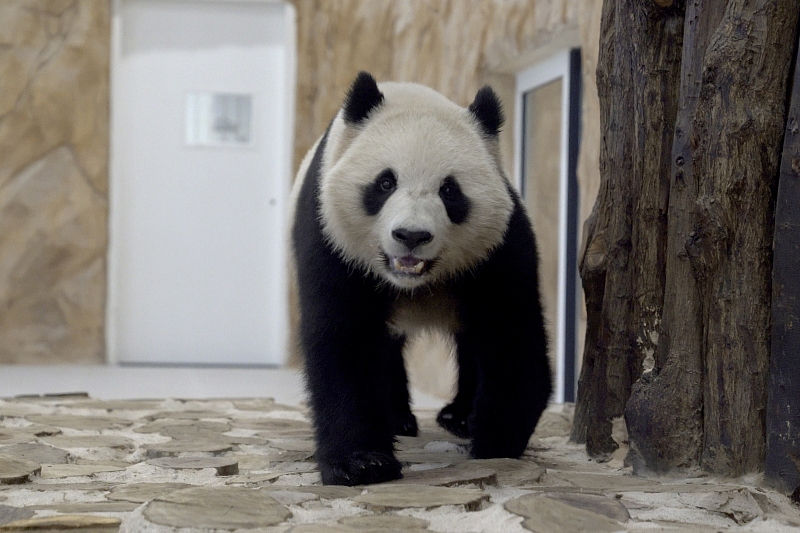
348, 365
454, 416
404, 422
347, 371
512, 390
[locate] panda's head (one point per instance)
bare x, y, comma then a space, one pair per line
411, 185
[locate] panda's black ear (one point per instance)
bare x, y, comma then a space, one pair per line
362, 98
488, 110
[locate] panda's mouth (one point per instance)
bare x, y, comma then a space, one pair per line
409, 265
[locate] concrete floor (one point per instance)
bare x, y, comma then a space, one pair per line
122, 382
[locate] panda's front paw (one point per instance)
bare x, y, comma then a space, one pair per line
406, 425
360, 468
496, 443
455, 420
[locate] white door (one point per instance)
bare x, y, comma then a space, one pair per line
201, 126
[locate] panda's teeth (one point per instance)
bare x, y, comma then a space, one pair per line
404, 268
396, 265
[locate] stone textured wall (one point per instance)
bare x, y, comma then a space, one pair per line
454, 46
54, 94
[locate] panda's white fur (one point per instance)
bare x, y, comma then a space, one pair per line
446, 141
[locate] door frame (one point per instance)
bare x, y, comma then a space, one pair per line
114, 202
564, 65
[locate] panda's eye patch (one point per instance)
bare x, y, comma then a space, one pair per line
376, 193
455, 203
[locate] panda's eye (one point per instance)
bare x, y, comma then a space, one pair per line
386, 181
449, 189
387, 184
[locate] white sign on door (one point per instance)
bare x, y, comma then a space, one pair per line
218, 119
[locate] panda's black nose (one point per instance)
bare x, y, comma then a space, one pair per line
411, 239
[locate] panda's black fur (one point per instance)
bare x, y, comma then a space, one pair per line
353, 359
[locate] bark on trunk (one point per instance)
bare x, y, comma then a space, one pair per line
678, 260
666, 404
622, 264
783, 412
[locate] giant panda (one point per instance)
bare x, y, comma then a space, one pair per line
403, 219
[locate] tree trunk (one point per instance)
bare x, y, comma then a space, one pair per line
622, 266
783, 414
674, 415
677, 264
